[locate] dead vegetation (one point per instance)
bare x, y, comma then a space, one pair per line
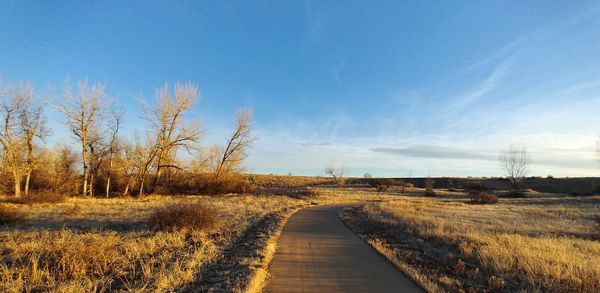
87, 244
194, 216
546, 244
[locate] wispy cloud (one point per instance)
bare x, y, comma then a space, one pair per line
486, 86
436, 152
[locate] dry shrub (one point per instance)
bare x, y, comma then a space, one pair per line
382, 188
42, 197
226, 184
484, 198
9, 214
194, 216
429, 192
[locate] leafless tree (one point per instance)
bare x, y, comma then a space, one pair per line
336, 172
515, 161
9, 136
113, 126
81, 112
168, 129
235, 151
32, 126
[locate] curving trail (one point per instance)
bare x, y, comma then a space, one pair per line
318, 253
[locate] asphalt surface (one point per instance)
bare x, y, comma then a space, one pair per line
318, 253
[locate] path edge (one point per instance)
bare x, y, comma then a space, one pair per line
260, 274
424, 283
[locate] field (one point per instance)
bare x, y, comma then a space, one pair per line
87, 244
542, 243
100, 244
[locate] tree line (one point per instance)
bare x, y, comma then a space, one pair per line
165, 158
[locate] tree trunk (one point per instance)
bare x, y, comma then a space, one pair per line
91, 187
17, 183
108, 186
27, 183
141, 187
126, 191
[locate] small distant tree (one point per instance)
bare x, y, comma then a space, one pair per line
336, 172
515, 162
368, 175
429, 182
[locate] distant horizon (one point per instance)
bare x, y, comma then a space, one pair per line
389, 88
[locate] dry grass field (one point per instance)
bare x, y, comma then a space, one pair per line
542, 243
87, 244
76, 244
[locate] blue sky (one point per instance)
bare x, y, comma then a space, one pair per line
387, 87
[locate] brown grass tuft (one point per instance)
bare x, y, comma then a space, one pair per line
195, 216
484, 198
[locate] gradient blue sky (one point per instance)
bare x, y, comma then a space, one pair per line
387, 87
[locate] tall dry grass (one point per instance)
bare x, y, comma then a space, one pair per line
88, 244
530, 244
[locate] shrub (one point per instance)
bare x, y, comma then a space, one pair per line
409, 185
484, 198
191, 215
382, 187
42, 197
9, 214
430, 192
229, 183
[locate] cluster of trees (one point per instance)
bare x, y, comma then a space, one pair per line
165, 158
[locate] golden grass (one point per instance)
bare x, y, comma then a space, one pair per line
87, 244
543, 244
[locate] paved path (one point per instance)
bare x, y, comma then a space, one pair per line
318, 253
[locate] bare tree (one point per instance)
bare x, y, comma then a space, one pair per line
515, 162
235, 151
336, 172
168, 129
114, 126
33, 125
82, 112
9, 136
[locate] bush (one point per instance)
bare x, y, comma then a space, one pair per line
430, 192
191, 215
484, 198
382, 187
226, 184
9, 214
42, 197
